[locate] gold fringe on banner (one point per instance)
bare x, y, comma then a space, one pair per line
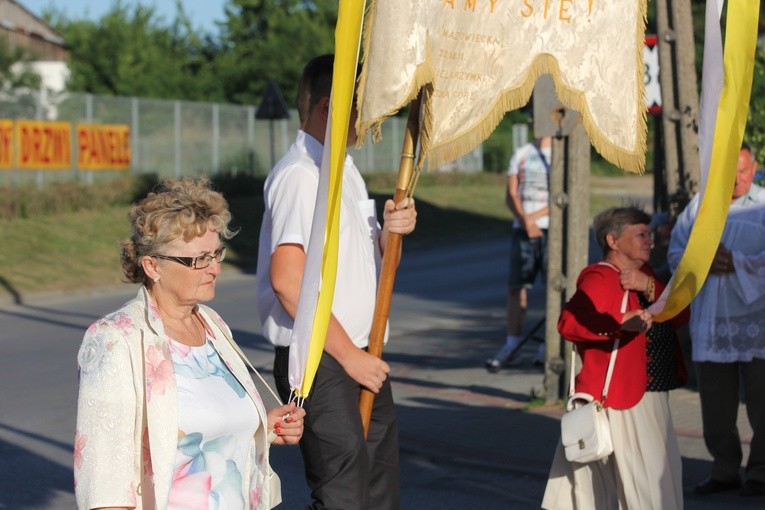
440, 152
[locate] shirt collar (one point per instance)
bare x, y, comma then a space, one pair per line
749, 198
315, 149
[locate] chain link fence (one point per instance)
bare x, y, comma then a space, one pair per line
173, 138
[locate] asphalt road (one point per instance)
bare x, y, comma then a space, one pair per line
442, 299
468, 438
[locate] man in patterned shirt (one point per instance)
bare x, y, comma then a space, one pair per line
528, 197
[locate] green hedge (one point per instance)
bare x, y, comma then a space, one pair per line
29, 201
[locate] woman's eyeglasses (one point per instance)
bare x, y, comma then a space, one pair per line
199, 262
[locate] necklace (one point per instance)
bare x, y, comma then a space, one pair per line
199, 333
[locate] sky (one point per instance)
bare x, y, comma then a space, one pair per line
203, 13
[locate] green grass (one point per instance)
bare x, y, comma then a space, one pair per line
80, 249
62, 252
452, 207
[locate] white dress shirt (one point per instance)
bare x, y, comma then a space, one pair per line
290, 196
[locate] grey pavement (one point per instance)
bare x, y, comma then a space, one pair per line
469, 438
454, 411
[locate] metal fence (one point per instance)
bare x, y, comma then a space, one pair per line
173, 138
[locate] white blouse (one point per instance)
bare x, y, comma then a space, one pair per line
216, 423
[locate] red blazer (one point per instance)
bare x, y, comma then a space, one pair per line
592, 320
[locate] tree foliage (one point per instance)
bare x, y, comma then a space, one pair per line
14, 73
271, 40
755, 127
130, 52
18, 82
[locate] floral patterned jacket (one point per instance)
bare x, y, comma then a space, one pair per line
127, 417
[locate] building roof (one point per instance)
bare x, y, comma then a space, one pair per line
24, 29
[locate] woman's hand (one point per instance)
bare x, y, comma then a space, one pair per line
287, 422
637, 320
633, 279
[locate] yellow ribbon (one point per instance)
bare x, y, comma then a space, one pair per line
347, 37
738, 66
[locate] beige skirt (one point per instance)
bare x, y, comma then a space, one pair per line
644, 472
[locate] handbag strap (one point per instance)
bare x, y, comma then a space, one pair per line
614, 349
239, 351
609, 372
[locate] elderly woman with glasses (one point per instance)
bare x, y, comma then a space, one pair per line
168, 415
644, 470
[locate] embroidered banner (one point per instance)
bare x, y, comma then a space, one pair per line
480, 59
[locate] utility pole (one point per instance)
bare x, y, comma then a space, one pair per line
679, 177
568, 233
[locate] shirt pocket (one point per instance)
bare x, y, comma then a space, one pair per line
368, 214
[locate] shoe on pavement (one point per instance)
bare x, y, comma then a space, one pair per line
539, 357
711, 486
493, 365
752, 489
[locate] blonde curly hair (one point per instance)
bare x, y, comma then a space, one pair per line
186, 208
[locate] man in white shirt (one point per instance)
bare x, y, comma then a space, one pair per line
728, 333
342, 469
528, 197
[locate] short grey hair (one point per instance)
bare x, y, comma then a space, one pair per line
614, 220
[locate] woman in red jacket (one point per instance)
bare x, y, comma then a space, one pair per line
644, 471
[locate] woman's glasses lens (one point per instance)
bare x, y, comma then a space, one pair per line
205, 260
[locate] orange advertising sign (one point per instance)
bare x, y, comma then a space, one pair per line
44, 145
103, 146
6, 143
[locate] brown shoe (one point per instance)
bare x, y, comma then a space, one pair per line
711, 486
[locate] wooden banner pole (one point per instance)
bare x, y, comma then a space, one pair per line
391, 258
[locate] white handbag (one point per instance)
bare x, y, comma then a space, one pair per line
585, 430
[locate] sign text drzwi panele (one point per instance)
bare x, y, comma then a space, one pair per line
43, 145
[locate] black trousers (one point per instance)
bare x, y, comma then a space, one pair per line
343, 470
719, 389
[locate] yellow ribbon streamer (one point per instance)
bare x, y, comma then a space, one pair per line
347, 37
738, 65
